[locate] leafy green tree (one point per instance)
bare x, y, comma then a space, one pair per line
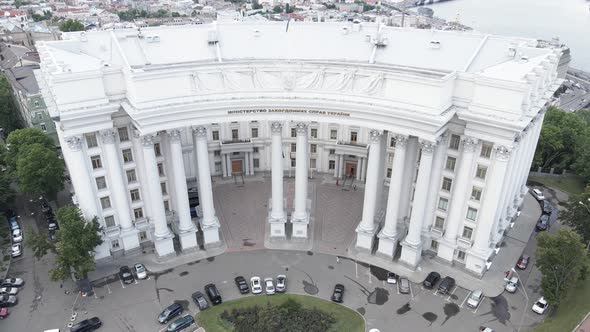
562, 260
7, 194
577, 214
39, 170
277, 9
23, 137
71, 25
9, 118
39, 243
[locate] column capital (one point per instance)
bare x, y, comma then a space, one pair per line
301, 128
174, 135
469, 143
443, 139
375, 136
200, 132
401, 141
107, 136
276, 127
148, 140
427, 146
74, 143
502, 152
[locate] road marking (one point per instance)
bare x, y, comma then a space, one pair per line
121, 281
449, 297
356, 269
479, 304
465, 299
369, 273
107, 284
411, 292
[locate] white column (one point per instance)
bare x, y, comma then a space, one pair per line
336, 165
251, 161
366, 228
228, 164
209, 222
358, 168
162, 235
118, 189
364, 170
186, 228
300, 217
412, 244
224, 165
410, 173
277, 213
461, 189
479, 253
247, 163
531, 154
435, 180
389, 234
341, 167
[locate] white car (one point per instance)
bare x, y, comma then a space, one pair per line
255, 285
269, 285
17, 236
392, 278
9, 290
281, 283
512, 285
16, 250
540, 306
140, 271
538, 194
475, 298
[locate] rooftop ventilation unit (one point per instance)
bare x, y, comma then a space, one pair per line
434, 44
212, 37
152, 39
379, 40
524, 59
356, 26
83, 36
257, 33
511, 51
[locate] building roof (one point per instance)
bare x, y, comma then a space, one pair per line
23, 78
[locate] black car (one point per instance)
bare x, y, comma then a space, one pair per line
446, 285
213, 294
7, 300
543, 223
200, 300
431, 280
180, 324
45, 206
242, 285
126, 275
547, 207
90, 324
170, 312
338, 294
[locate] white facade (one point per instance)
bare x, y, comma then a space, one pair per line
448, 121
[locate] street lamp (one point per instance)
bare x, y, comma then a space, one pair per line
526, 297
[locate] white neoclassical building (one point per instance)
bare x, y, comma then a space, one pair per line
445, 123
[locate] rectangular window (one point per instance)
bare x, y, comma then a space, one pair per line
127, 156
157, 149
332, 151
313, 148
314, 133
392, 142
481, 171
105, 202
161, 169
476, 194
234, 134
166, 206
389, 170
454, 142
163, 187
256, 162
434, 245
131, 178
101, 182
135, 195
467, 232
439, 222
451, 162
331, 164
486, 150
293, 132
217, 153
254, 132
353, 136
293, 147
461, 255
138, 213
447, 183
255, 149
333, 134
312, 163
91, 140
115, 245
443, 204
293, 160
471, 214
215, 134
142, 236
109, 221
96, 162
123, 134
217, 167
43, 127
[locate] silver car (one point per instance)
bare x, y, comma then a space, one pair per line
281, 286
512, 285
475, 298
404, 285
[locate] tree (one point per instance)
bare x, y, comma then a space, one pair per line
39, 170
38, 243
562, 260
6, 192
577, 214
75, 243
277, 9
9, 118
71, 25
23, 137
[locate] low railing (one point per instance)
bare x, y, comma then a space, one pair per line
463, 242
436, 232
236, 141
112, 231
142, 223
351, 143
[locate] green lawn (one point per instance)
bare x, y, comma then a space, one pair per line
573, 308
571, 184
347, 320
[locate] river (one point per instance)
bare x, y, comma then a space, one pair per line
544, 19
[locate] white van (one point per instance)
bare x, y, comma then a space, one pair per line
538, 194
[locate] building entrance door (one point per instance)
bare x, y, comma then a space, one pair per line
236, 166
350, 169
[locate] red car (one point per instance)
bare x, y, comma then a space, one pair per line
523, 262
3, 313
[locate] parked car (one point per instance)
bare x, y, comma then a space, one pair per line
338, 294
431, 280
8, 300
547, 207
9, 290
170, 312
543, 222
474, 299
13, 223
485, 329
540, 306
446, 285
12, 282
523, 262
90, 324
213, 294
140, 271
45, 207
52, 224
17, 236
511, 285
269, 286
255, 284
3, 313
404, 285
281, 283
538, 194
242, 285
126, 275
200, 300
17, 250
392, 278
180, 324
